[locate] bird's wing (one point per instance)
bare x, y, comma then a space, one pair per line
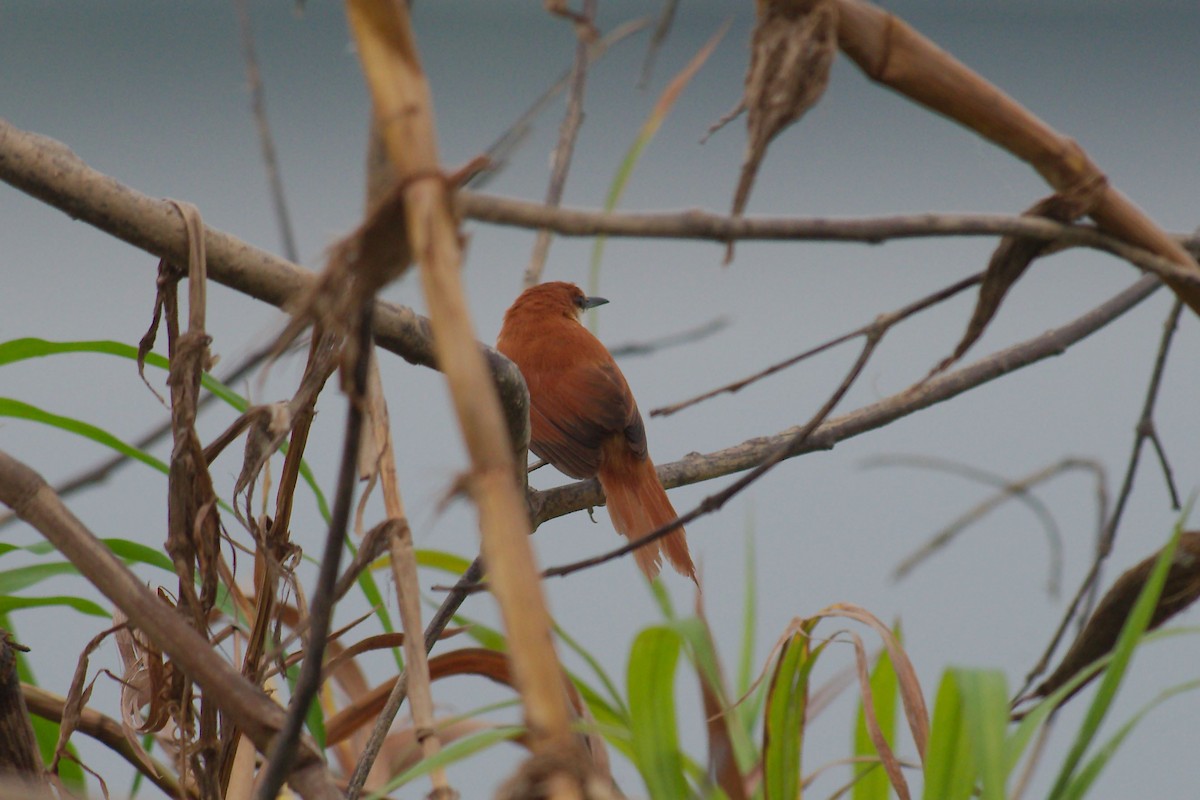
575, 409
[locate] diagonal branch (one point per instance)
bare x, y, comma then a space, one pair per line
26, 493
48, 170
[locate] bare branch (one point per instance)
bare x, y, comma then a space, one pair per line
661, 28
1018, 489
688, 336
48, 170
258, 106
1079, 609
865, 330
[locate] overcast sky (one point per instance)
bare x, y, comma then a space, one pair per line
155, 95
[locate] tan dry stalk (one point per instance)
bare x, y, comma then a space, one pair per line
892, 53
404, 572
404, 112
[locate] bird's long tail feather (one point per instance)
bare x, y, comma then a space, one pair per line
638, 505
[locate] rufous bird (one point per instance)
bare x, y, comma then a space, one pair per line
583, 418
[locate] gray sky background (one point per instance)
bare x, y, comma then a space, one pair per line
155, 95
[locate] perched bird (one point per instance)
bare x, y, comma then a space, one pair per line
584, 419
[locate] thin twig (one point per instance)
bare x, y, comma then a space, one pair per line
907, 311
283, 748
661, 29
499, 151
567, 134
689, 336
1018, 489
1080, 606
703, 225
258, 105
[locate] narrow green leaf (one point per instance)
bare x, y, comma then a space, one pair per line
614, 696
749, 612
10, 603
19, 410
871, 782
1087, 776
783, 725
1131, 633
136, 552
658, 591
484, 635
441, 560
694, 631
366, 584
949, 757
451, 753
651, 689
1035, 716
984, 694
18, 578
314, 720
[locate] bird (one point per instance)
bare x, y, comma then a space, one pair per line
583, 418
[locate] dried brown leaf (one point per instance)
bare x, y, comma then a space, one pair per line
887, 758
915, 711
1181, 589
77, 697
1011, 258
792, 48
722, 762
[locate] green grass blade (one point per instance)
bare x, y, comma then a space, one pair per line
949, 757
614, 696
1131, 633
1087, 776
9, 603
783, 724
451, 753
748, 710
19, 410
871, 782
450, 563
14, 580
695, 632
484, 635
651, 689
138, 553
984, 694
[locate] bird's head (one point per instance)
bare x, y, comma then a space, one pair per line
556, 297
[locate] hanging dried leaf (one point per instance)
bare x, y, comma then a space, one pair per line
1012, 257
791, 51
1098, 637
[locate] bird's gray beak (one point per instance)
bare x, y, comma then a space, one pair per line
592, 302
